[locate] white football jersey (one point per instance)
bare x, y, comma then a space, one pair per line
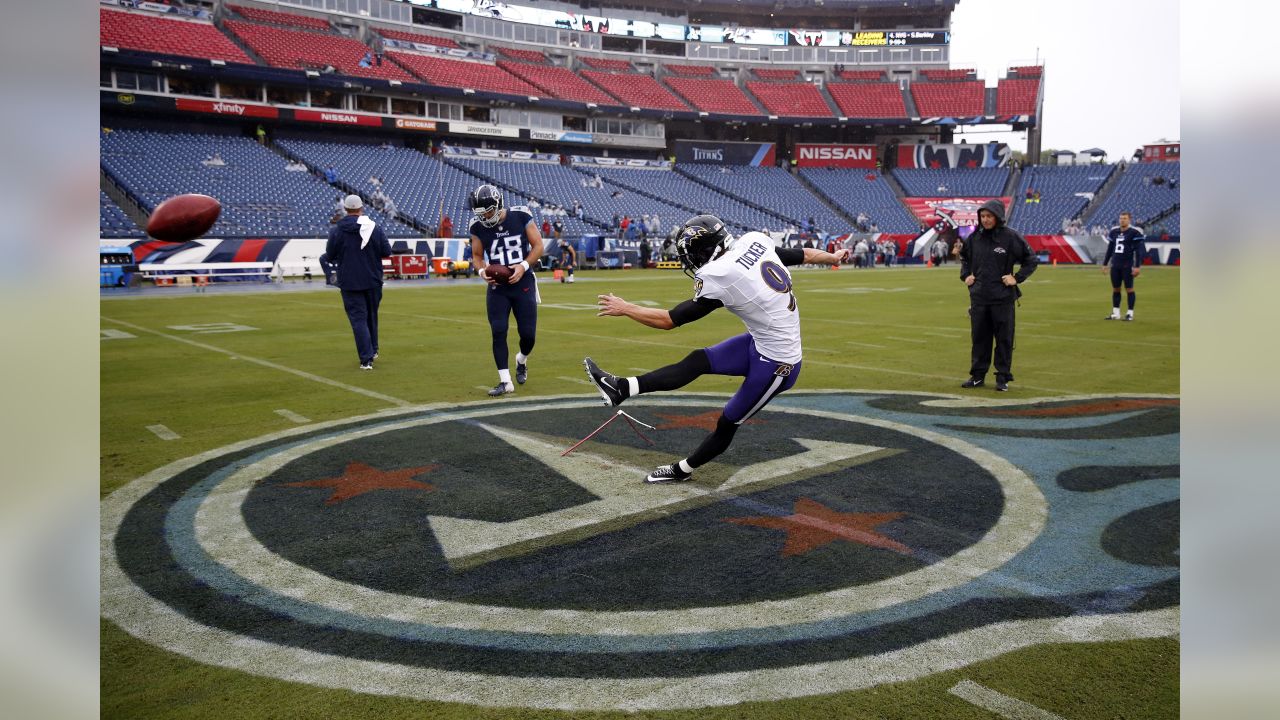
754, 285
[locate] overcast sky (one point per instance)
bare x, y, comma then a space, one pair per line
1111, 67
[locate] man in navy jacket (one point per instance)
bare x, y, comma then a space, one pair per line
356, 246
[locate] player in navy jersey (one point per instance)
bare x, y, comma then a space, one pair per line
507, 236
1125, 247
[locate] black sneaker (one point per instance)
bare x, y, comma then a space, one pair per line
1002, 386
522, 373
973, 382
502, 389
668, 474
1128, 318
608, 385
366, 366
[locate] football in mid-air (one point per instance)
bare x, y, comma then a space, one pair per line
183, 217
500, 274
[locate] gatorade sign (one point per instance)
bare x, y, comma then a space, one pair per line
844, 156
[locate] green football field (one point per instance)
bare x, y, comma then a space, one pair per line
186, 372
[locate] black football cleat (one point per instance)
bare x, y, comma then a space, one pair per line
668, 474
973, 382
502, 389
366, 365
1002, 386
608, 385
522, 373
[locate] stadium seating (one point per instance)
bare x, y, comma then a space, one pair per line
436, 40
713, 95
799, 99
854, 192
135, 31
967, 182
279, 18
773, 188
558, 82
949, 99
691, 70
861, 75
1137, 192
678, 189
300, 49
635, 90
113, 222
1057, 186
259, 197
775, 74
1027, 71
547, 183
1171, 224
1017, 97
950, 74
604, 64
420, 185
532, 56
868, 100
447, 72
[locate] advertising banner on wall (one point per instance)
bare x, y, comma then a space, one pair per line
226, 107
490, 130
337, 117
560, 136
961, 210
937, 155
722, 152
843, 156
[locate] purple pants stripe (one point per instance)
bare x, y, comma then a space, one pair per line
765, 378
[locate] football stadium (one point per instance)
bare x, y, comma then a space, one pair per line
558, 197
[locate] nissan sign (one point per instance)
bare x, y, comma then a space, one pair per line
845, 156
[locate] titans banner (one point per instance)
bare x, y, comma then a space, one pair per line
990, 155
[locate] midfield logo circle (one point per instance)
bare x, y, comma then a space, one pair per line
455, 555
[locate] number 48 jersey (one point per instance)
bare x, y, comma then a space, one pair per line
506, 243
753, 284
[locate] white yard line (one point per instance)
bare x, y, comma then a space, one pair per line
580, 381
910, 340
292, 416
163, 432
268, 363
862, 344
999, 703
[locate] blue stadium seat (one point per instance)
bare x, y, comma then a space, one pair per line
1058, 187
964, 182
851, 190
1138, 193
775, 189
113, 222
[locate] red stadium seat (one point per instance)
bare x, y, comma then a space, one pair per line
691, 70
800, 99
635, 90
558, 82
1027, 71
517, 54
300, 49
133, 31
861, 75
1017, 96
280, 18
868, 100
446, 72
714, 95
602, 64
436, 40
944, 75
775, 74
949, 99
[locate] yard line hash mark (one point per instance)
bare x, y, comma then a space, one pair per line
163, 432
999, 703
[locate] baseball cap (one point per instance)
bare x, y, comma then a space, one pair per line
352, 202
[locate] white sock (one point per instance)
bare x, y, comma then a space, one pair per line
684, 466
521, 358
634, 384
504, 376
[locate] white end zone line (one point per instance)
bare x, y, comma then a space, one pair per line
579, 381
164, 433
268, 363
999, 703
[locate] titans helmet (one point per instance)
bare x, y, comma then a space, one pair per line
701, 239
486, 205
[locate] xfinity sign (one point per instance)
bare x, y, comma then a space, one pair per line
847, 156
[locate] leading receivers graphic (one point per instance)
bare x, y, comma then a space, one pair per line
1125, 247
507, 236
747, 276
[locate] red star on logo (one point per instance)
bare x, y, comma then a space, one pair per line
813, 525
935, 164
706, 421
359, 479
972, 164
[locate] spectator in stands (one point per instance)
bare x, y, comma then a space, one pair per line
446, 226
616, 221
356, 246
625, 224
1035, 197
261, 132
558, 228
375, 181
367, 60
646, 251
1028, 195
942, 188
390, 209
330, 175
214, 160
986, 267
657, 224
545, 228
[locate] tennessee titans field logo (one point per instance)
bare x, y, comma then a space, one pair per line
847, 540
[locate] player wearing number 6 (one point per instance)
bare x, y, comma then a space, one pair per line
507, 237
1125, 247
749, 278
